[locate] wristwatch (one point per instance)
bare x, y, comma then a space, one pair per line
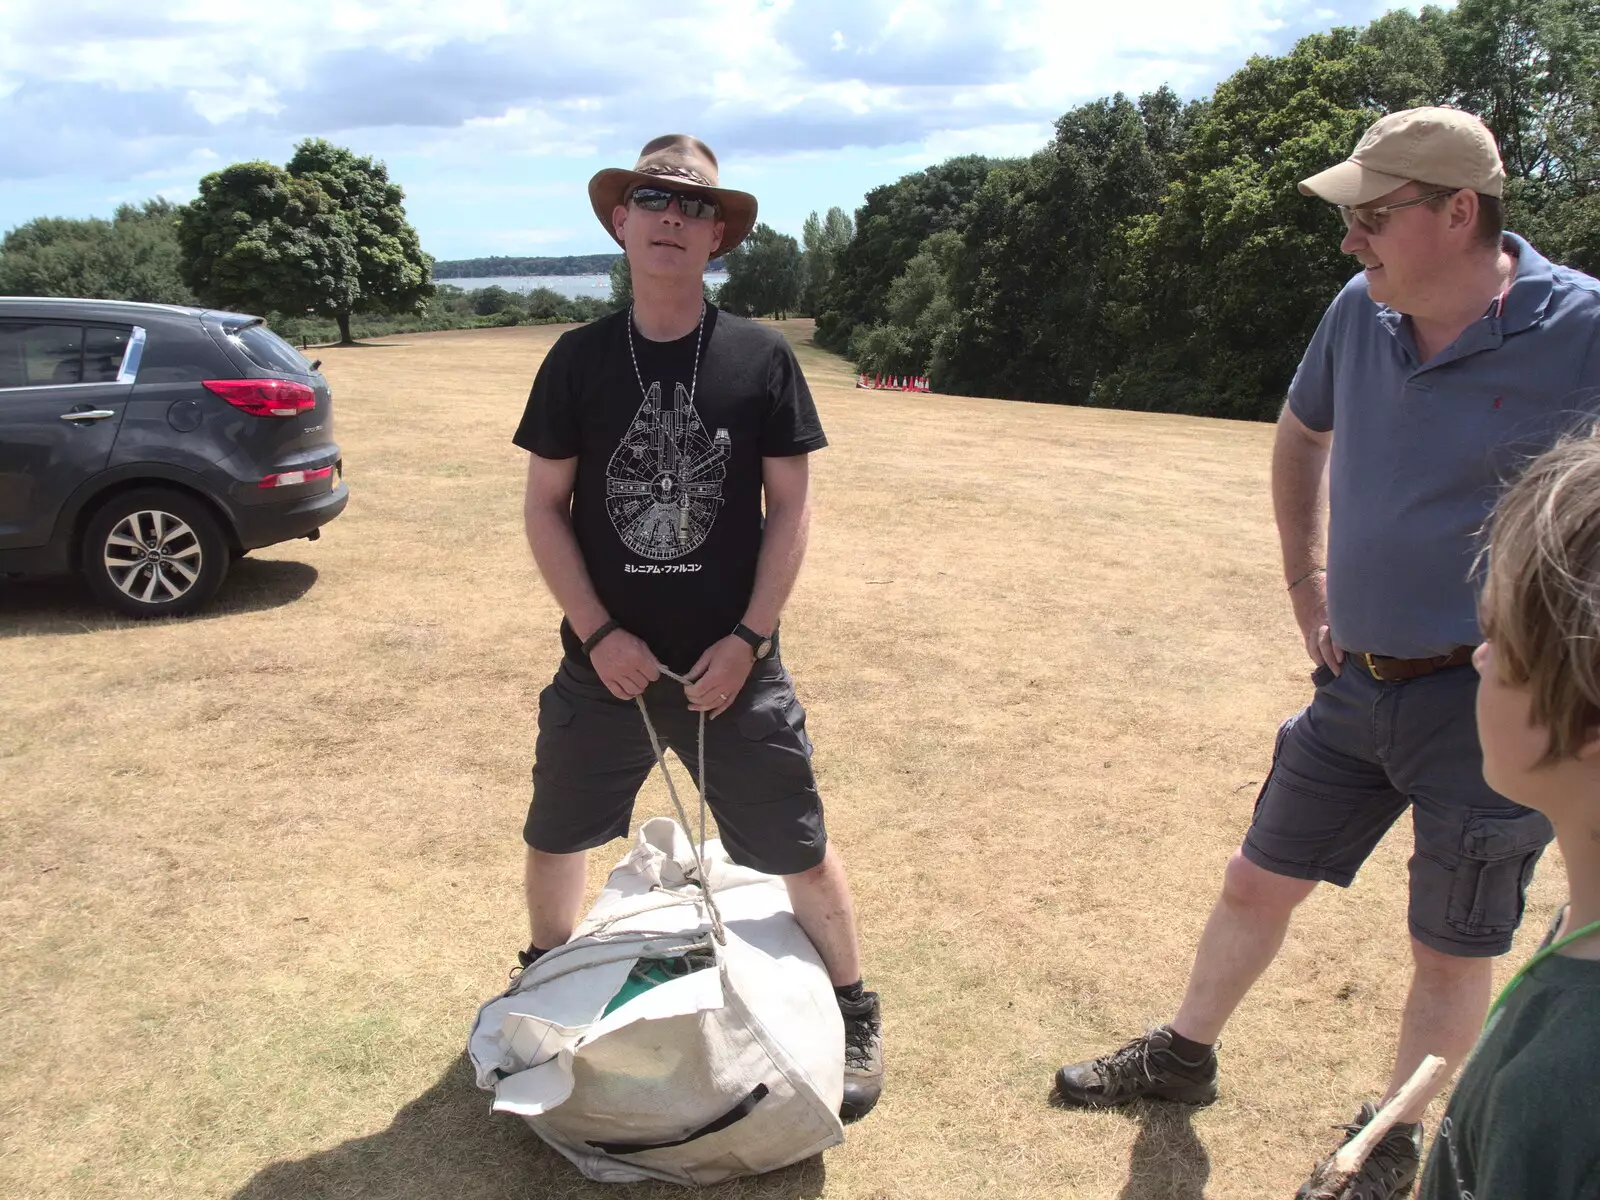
761, 645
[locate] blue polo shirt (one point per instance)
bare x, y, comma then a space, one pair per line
1421, 450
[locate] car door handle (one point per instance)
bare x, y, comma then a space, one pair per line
88, 414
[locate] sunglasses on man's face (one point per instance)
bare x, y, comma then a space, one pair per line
1372, 220
696, 208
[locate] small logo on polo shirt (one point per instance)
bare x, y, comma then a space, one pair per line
1497, 401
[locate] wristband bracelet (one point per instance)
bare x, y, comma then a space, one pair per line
599, 635
1306, 576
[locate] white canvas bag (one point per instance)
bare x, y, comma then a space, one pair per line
730, 1069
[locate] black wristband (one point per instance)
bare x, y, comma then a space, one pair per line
600, 635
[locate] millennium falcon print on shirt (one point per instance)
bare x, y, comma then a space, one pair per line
664, 481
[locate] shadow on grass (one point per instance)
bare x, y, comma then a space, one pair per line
34, 607
446, 1142
1168, 1161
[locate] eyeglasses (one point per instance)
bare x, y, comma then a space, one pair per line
695, 208
1373, 219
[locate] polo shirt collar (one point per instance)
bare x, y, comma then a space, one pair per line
1523, 307
1528, 297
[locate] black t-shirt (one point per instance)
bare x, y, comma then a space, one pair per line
1524, 1121
667, 502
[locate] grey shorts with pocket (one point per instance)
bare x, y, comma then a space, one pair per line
593, 755
1345, 768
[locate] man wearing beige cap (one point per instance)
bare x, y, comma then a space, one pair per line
1456, 354
667, 508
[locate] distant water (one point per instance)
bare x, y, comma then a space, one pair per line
593, 287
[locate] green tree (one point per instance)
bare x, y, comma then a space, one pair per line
326, 235
764, 275
493, 299
133, 256
395, 274
890, 228
1221, 287
621, 283
1531, 69
544, 303
1046, 241
823, 241
1159, 255
918, 334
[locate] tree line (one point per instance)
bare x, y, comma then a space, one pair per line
1156, 254
501, 265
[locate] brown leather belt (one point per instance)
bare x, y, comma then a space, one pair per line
1398, 670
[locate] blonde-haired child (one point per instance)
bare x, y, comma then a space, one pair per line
1524, 1121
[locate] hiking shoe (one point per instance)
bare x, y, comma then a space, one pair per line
525, 959
1146, 1068
863, 1056
1390, 1169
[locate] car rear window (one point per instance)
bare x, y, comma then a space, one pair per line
269, 351
53, 353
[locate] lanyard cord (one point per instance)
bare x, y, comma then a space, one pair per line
1511, 984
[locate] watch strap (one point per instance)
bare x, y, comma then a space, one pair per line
600, 635
760, 643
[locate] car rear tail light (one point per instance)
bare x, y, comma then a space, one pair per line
265, 397
290, 478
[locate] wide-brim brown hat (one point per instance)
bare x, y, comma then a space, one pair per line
675, 158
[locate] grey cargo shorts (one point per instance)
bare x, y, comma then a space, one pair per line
593, 755
1345, 768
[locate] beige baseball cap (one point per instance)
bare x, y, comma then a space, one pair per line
1442, 146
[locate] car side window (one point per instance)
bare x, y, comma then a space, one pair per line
49, 354
13, 366
103, 348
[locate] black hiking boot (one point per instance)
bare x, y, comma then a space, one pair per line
863, 1056
525, 959
1390, 1169
1146, 1068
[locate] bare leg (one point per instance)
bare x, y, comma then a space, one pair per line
821, 901
553, 885
1444, 1013
1241, 938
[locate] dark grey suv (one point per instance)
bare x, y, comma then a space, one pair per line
149, 445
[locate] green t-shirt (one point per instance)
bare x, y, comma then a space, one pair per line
1524, 1122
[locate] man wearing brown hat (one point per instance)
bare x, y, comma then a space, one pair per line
1454, 355
667, 508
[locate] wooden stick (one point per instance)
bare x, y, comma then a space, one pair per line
1428, 1076
1336, 1171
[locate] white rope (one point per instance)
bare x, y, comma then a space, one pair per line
702, 877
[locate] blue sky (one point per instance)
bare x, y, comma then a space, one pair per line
492, 114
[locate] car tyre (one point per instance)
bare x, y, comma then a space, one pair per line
154, 552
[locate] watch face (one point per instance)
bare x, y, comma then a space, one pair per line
765, 648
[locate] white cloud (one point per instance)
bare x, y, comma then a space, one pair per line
100, 92
608, 68
220, 104
998, 141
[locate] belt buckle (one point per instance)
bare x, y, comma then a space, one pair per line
1369, 660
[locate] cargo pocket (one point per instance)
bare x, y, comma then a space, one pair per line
774, 715
554, 760
555, 710
775, 760
1498, 854
1277, 750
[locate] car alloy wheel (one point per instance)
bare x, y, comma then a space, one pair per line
154, 552
153, 556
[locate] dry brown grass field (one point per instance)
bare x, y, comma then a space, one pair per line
260, 867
